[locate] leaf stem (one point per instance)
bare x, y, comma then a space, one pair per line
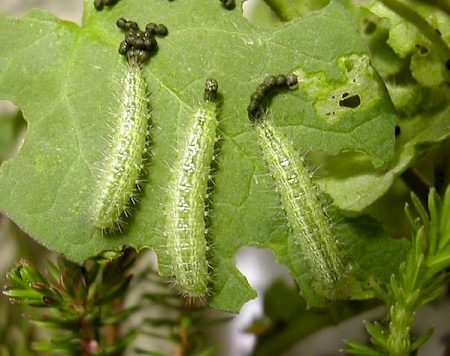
90, 345
422, 25
284, 9
399, 343
401, 312
184, 324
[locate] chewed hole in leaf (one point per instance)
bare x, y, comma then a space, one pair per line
261, 270
333, 99
259, 13
13, 130
369, 27
349, 64
260, 267
422, 49
350, 101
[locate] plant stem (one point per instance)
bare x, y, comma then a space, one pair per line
183, 331
406, 290
422, 25
399, 343
90, 344
402, 317
284, 9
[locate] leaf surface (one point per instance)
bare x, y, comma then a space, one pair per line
67, 80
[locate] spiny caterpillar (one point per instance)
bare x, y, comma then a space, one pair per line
311, 243
185, 214
120, 173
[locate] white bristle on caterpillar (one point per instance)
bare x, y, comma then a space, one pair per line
185, 208
120, 173
312, 241
312, 245
123, 163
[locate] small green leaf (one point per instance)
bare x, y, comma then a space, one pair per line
421, 340
378, 334
356, 348
428, 69
439, 262
424, 219
27, 294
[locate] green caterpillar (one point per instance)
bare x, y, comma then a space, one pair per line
312, 243
120, 174
185, 213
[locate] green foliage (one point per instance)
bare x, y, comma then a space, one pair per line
89, 310
16, 334
419, 281
423, 111
69, 104
66, 80
83, 303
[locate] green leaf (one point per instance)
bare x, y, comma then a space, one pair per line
428, 69
424, 110
415, 27
356, 348
66, 79
418, 136
378, 334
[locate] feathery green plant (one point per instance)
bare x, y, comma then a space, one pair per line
173, 322
419, 281
84, 304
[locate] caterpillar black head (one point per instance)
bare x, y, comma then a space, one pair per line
254, 108
228, 4
211, 88
99, 4
138, 45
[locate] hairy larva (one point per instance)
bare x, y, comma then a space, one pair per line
185, 208
312, 242
122, 165
311, 238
